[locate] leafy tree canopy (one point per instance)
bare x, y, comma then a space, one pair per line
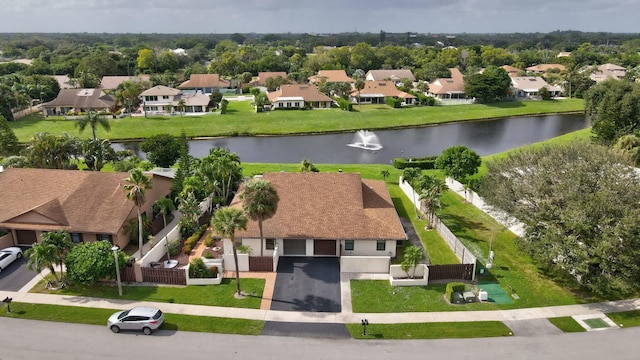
490, 85
89, 262
614, 108
163, 150
458, 162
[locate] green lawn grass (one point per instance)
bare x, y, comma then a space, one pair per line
92, 316
459, 330
219, 295
626, 318
241, 119
567, 324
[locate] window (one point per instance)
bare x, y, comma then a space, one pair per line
165, 97
150, 98
381, 245
348, 245
101, 237
76, 238
270, 244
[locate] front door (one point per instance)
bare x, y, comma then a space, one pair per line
26, 237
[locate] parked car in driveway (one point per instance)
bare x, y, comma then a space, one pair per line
9, 255
146, 319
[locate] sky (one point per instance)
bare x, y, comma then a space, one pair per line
318, 16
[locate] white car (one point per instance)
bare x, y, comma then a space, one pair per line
9, 255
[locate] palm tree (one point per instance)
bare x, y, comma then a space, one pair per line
164, 206
226, 222
182, 104
359, 85
385, 174
260, 202
42, 255
409, 175
92, 119
431, 190
307, 166
137, 185
61, 242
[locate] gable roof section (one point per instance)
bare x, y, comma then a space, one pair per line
197, 81
531, 83
331, 76
328, 206
112, 82
160, 90
390, 74
307, 92
79, 201
545, 67
451, 85
385, 88
263, 76
82, 99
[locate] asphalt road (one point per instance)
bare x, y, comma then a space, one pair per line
26, 339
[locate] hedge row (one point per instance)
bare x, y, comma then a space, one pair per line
424, 163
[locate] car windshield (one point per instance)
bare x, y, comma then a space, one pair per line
4, 255
123, 314
157, 315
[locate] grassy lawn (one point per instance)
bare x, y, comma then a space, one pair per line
459, 330
91, 316
242, 120
567, 324
626, 318
219, 295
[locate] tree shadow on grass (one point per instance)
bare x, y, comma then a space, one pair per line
459, 226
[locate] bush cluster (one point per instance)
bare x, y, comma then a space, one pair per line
454, 287
197, 269
394, 103
345, 104
192, 240
424, 163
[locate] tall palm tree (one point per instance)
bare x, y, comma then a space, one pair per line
431, 190
226, 222
259, 202
137, 185
385, 174
93, 119
61, 242
410, 175
42, 255
164, 206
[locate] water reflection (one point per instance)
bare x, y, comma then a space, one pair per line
485, 137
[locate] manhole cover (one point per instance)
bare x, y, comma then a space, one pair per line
596, 323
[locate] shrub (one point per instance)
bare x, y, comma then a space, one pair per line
186, 249
245, 249
197, 269
207, 255
173, 247
454, 287
394, 103
208, 241
345, 104
424, 163
254, 91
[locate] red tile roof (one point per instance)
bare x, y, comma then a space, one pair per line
328, 206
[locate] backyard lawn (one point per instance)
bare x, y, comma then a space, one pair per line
241, 119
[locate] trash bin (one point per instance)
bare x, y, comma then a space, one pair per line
483, 295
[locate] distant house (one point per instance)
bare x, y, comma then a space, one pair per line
264, 76
543, 68
448, 88
112, 82
89, 205
511, 70
325, 214
205, 83
395, 75
165, 100
64, 82
377, 92
563, 54
529, 87
79, 100
608, 71
330, 76
299, 96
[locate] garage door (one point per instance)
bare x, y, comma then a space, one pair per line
295, 247
324, 247
26, 237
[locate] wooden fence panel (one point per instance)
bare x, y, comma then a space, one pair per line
462, 272
128, 274
164, 276
260, 263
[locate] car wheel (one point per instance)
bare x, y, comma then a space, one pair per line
115, 329
19, 255
146, 331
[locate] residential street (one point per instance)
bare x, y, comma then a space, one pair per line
24, 339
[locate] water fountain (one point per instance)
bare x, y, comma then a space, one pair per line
367, 140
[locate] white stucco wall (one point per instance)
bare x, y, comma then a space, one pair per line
368, 248
365, 264
243, 262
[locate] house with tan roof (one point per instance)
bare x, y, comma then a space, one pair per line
529, 87
377, 92
448, 88
511, 70
331, 76
64, 82
162, 99
325, 214
89, 205
205, 83
608, 71
264, 76
79, 100
395, 75
299, 96
112, 82
543, 68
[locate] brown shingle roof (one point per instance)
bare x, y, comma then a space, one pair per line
263, 76
79, 201
328, 206
392, 74
82, 99
545, 67
386, 88
331, 76
160, 90
308, 92
112, 82
454, 84
197, 81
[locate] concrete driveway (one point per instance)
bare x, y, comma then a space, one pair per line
16, 275
307, 284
